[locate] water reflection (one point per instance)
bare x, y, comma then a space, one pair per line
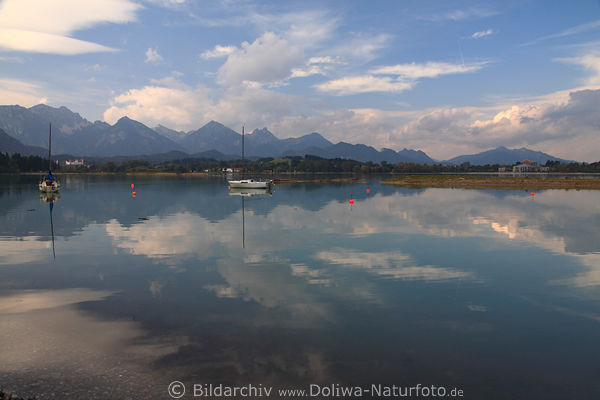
51, 198
389, 265
49, 345
405, 286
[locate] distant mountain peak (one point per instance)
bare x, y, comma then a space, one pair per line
43, 107
128, 121
263, 131
316, 135
213, 123
263, 135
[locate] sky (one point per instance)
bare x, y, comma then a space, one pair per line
446, 77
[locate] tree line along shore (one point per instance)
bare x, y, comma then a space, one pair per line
411, 174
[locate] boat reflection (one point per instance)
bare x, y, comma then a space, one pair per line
50, 198
248, 192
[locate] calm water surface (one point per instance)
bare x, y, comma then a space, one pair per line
493, 292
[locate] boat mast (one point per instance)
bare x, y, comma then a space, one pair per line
243, 162
50, 148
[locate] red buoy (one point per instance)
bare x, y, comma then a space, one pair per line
368, 190
133, 194
532, 194
351, 201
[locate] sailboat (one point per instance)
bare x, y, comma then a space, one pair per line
248, 183
49, 184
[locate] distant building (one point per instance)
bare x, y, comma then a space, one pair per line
74, 162
529, 166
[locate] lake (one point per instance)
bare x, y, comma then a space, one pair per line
105, 295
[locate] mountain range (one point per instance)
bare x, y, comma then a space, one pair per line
25, 130
502, 155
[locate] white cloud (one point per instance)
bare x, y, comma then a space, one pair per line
362, 48
23, 93
152, 56
167, 102
168, 3
459, 15
316, 66
309, 70
571, 125
568, 129
303, 28
589, 62
481, 34
406, 78
172, 103
427, 70
252, 106
46, 27
269, 59
324, 60
564, 124
363, 84
218, 52
42, 42
306, 29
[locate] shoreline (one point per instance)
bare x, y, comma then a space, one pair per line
493, 182
576, 181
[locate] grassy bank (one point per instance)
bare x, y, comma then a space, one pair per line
492, 182
317, 180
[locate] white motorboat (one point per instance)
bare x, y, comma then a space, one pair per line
49, 184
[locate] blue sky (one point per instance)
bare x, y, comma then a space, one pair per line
446, 77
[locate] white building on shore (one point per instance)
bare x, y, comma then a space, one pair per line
74, 162
529, 166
